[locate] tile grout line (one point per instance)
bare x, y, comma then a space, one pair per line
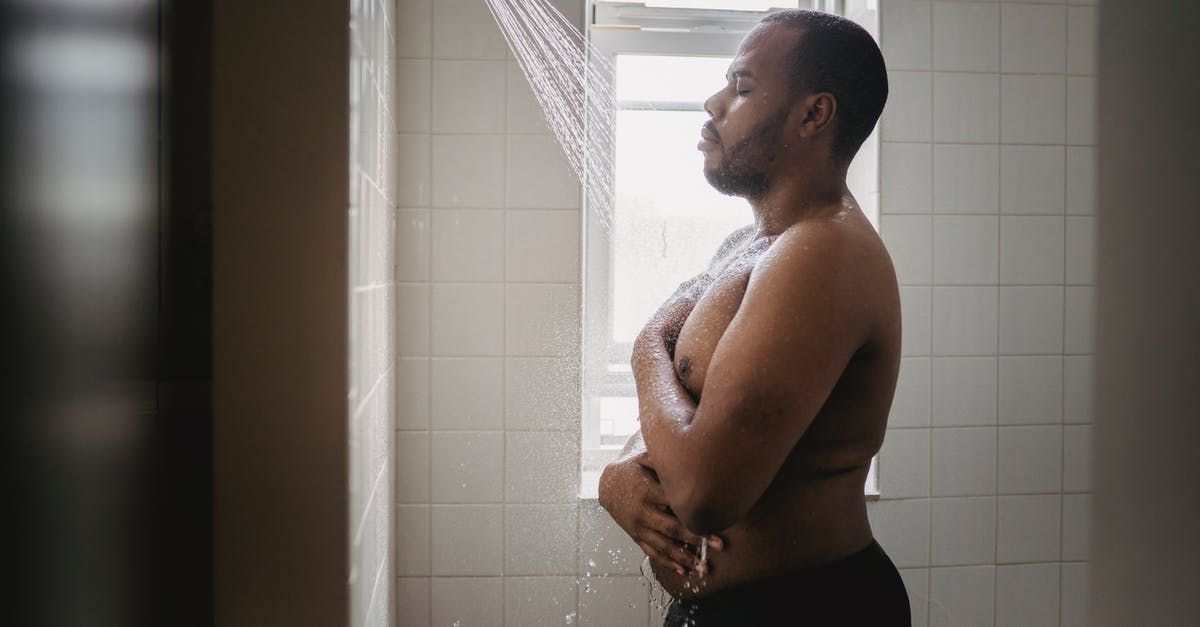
999, 259
429, 313
1062, 440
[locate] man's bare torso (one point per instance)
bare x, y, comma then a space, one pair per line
814, 512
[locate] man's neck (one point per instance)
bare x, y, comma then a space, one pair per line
790, 199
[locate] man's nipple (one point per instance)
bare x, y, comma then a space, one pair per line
685, 366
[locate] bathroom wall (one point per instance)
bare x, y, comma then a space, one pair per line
986, 209
987, 171
372, 296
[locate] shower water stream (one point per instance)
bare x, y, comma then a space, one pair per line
573, 84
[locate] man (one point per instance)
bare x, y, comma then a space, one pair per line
764, 385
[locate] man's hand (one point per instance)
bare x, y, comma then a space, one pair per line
632, 495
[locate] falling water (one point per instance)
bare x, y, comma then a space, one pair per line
573, 83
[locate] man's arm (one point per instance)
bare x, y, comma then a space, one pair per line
772, 370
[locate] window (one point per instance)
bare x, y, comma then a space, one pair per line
667, 221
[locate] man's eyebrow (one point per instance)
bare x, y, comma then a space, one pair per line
738, 73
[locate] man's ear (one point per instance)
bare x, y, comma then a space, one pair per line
813, 114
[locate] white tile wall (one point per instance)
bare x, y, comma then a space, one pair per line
984, 389
997, 304
378, 157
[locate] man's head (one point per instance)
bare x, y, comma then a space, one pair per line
805, 87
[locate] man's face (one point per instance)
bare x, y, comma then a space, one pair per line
742, 140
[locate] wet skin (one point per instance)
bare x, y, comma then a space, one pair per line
764, 386
814, 511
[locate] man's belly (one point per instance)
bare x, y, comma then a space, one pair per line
800, 523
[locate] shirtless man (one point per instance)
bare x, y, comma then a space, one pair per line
764, 385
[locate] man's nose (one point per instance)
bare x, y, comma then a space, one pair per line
713, 104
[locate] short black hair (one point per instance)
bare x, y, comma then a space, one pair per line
836, 55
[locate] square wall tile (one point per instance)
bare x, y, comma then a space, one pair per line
464, 29
1081, 180
1033, 39
414, 28
915, 315
1031, 390
908, 239
1032, 180
1078, 388
1031, 250
412, 245
540, 539
904, 464
905, 177
1031, 320
966, 178
412, 601
1081, 320
468, 320
1081, 250
468, 540
964, 391
467, 467
1028, 528
468, 171
542, 246
1074, 597
1032, 109
412, 393
412, 319
412, 467
1077, 527
539, 601
906, 116
964, 320
524, 113
1077, 458
1030, 460
1081, 40
468, 245
966, 37
413, 102
964, 461
902, 528
413, 158
468, 601
468, 393
607, 601
905, 35
965, 250
604, 549
469, 96
542, 393
542, 320
539, 175
1081, 111
964, 531
962, 595
412, 540
916, 583
966, 107
911, 406
1027, 595
541, 467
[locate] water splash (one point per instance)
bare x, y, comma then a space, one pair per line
573, 83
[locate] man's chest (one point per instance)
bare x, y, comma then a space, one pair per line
708, 322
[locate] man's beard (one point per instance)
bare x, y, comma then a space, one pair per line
743, 168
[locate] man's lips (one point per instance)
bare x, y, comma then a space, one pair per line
708, 133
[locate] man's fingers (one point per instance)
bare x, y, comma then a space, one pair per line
656, 556
674, 552
670, 526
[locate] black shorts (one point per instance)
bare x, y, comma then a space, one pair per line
863, 589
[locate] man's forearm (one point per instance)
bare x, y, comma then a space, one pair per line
665, 406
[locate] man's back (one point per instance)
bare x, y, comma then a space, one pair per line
813, 513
